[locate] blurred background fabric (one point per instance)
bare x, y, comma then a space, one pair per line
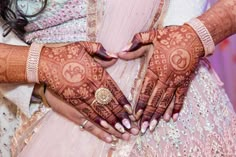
224, 63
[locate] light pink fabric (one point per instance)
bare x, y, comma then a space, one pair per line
206, 126
121, 21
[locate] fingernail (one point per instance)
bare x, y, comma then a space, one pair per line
132, 118
153, 124
139, 113
144, 127
108, 139
113, 55
128, 109
175, 116
126, 136
167, 117
126, 123
104, 124
119, 127
135, 131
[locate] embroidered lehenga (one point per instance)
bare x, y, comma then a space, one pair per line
207, 123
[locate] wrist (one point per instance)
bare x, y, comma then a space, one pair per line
220, 20
32, 65
204, 36
13, 63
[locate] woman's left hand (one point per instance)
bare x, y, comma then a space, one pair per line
177, 51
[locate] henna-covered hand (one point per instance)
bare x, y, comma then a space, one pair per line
71, 73
72, 114
177, 51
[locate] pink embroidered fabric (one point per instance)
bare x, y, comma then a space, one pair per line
207, 123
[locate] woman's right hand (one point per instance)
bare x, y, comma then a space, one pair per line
71, 73
73, 115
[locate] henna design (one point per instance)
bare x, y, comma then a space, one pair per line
220, 20
13, 63
177, 51
179, 59
73, 74
146, 91
120, 106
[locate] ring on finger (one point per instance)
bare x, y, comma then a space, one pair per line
83, 125
103, 96
114, 142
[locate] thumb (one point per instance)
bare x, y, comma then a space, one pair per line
96, 49
135, 54
141, 39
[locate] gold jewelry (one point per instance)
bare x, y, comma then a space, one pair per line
103, 96
83, 125
114, 142
93, 102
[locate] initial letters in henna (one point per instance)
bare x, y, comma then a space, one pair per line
180, 59
73, 72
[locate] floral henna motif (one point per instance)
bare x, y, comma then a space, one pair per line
71, 73
177, 51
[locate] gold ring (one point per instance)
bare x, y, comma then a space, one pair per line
114, 142
93, 102
103, 96
83, 125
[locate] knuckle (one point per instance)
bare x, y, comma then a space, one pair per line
136, 36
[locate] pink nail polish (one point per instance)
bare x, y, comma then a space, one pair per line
153, 125
144, 127
135, 131
175, 116
128, 109
119, 127
139, 114
167, 117
126, 123
104, 124
108, 139
126, 136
